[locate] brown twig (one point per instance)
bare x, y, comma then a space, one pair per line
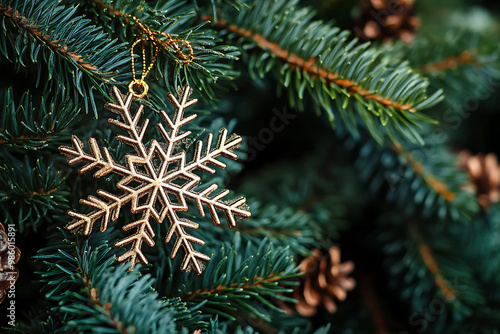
24, 24
283, 233
431, 180
16, 140
449, 63
309, 66
42, 192
431, 264
106, 307
258, 281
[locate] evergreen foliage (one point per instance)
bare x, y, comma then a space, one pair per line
46, 32
367, 87
422, 179
30, 192
92, 297
368, 162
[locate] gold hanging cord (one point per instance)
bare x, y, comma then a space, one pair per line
152, 36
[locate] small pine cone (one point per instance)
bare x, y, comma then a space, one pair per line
325, 280
9, 255
386, 20
484, 173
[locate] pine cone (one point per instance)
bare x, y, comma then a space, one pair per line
484, 172
385, 20
325, 279
9, 255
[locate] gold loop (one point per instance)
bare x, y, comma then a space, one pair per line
138, 83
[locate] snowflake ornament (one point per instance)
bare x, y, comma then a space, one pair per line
156, 181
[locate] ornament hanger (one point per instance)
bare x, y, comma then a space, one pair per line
146, 34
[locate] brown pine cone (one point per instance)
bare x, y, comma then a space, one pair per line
386, 20
484, 173
9, 255
325, 280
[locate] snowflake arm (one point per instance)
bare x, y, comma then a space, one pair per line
143, 233
93, 159
107, 211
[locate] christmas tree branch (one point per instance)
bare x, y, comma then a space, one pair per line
423, 255
92, 293
30, 194
310, 66
282, 225
365, 87
108, 7
438, 186
95, 296
159, 38
32, 125
458, 59
189, 53
76, 55
24, 24
24, 138
305, 210
253, 276
256, 282
425, 186
278, 233
260, 326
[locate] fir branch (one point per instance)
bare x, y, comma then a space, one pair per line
310, 66
24, 24
454, 60
76, 55
189, 52
98, 297
454, 50
108, 7
281, 232
484, 250
425, 269
160, 39
33, 125
438, 186
30, 195
23, 138
317, 58
92, 293
281, 225
430, 185
255, 283
431, 264
42, 192
318, 213
239, 278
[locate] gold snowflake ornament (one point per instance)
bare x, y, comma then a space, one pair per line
156, 181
